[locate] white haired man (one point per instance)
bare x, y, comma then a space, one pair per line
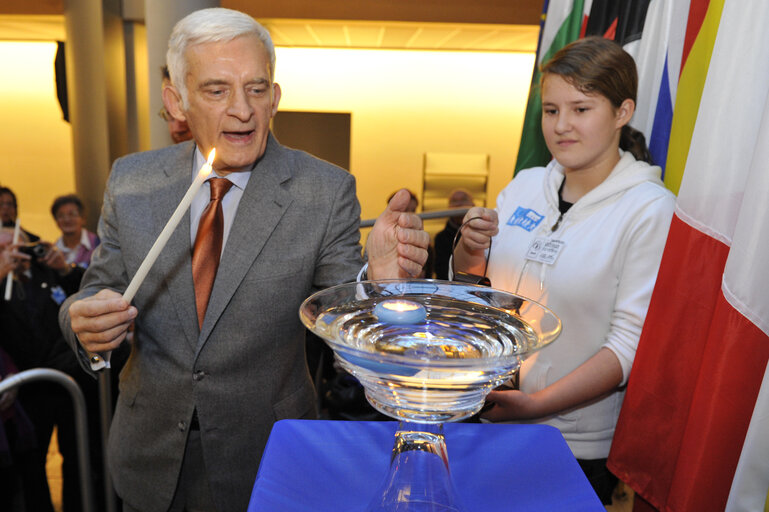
207, 379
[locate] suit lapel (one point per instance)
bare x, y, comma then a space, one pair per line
174, 260
261, 207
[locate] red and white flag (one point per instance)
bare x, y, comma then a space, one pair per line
693, 434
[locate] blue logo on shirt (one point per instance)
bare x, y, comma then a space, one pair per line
58, 295
526, 218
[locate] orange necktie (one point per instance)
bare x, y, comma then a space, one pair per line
208, 246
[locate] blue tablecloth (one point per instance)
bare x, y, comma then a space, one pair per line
318, 466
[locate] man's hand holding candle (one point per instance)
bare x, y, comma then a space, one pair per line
101, 321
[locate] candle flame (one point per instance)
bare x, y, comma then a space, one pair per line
207, 167
398, 305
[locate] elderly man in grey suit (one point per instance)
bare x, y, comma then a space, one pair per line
207, 378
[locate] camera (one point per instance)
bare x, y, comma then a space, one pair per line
36, 250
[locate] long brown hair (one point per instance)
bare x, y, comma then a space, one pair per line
595, 65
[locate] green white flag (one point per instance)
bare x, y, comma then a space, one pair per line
562, 25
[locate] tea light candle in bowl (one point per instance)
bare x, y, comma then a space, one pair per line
399, 311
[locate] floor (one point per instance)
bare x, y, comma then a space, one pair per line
53, 468
622, 499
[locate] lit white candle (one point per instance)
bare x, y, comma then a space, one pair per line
9, 279
184, 205
400, 312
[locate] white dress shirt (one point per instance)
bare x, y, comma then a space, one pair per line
203, 197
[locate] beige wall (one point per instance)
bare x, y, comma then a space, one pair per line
35, 142
526, 12
405, 103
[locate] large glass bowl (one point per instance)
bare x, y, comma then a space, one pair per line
436, 367
426, 352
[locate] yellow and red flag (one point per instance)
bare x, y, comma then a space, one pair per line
692, 434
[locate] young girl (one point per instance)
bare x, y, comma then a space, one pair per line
583, 236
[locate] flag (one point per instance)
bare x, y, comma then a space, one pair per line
658, 59
692, 434
622, 22
562, 25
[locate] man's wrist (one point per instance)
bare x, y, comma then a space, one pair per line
95, 360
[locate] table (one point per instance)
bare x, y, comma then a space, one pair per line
318, 466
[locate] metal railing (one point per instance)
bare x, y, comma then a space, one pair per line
81, 424
105, 419
436, 214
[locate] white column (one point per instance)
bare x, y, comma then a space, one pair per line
96, 90
160, 18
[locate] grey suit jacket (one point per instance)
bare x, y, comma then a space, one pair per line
295, 231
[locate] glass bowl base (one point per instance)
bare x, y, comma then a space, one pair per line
437, 415
419, 479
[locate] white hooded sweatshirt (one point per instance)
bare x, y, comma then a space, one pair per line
595, 270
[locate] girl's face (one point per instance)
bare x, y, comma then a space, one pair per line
581, 130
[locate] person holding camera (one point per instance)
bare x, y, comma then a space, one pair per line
9, 209
41, 281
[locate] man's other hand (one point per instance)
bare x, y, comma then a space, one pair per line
397, 244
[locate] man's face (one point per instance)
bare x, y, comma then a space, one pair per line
231, 100
460, 200
7, 209
68, 219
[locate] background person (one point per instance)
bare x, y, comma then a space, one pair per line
9, 209
32, 338
178, 129
17, 443
76, 243
208, 375
604, 214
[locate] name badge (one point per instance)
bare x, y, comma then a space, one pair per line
544, 250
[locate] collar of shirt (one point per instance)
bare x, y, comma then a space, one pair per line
84, 240
202, 198
70, 254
